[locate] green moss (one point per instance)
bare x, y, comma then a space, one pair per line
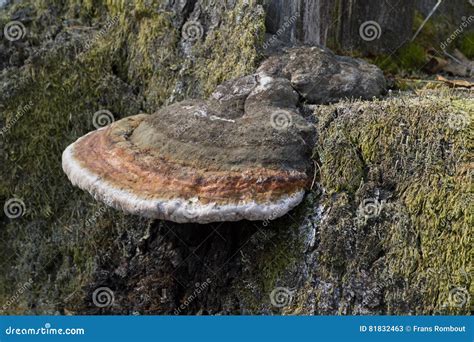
415, 148
344, 168
152, 56
411, 58
386, 63
154, 63
274, 250
233, 49
431, 29
278, 256
466, 44
64, 94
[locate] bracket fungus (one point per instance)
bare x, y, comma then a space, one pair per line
245, 153
201, 161
321, 77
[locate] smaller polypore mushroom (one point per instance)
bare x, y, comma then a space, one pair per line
320, 76
225, 159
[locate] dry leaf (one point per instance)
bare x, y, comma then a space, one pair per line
455, 83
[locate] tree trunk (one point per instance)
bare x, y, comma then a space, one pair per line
338, 23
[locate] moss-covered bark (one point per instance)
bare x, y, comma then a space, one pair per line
400, 171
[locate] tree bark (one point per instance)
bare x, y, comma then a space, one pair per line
338, 23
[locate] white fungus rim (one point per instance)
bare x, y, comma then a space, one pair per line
178, 210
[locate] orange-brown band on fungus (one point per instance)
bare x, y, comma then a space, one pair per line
110, 154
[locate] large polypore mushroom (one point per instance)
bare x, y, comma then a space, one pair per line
245, 153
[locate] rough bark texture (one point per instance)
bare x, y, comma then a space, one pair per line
297, 21
385, 229
338, 23
448, 10
394, 19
